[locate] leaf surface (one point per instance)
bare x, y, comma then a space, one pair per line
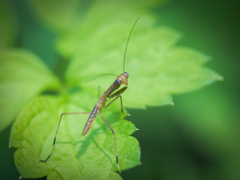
22, 76
94, 43
74, 156
157, 67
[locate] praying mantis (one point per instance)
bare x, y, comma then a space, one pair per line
111, 94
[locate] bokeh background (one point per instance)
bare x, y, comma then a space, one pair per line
199, 137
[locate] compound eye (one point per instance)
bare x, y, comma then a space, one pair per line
118, 81
126, 74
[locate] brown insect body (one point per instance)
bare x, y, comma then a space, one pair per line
121, 79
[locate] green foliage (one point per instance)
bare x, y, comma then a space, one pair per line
153, 62
94, 43
74, 156
8, 25
22, 77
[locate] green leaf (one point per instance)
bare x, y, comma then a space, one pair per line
157, 67
74, 156
8, 25
57, 14
22, 76
70, 16
100, 16
95, 43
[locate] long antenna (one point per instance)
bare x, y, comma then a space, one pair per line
95, 77
127, 44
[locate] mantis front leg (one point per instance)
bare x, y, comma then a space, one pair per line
117, 95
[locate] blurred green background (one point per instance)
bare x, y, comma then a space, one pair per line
199, 137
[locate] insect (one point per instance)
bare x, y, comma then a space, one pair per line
112, 94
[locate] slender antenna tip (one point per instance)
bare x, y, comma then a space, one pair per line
125, 52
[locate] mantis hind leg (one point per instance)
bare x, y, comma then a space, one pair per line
115, 144
54, 141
